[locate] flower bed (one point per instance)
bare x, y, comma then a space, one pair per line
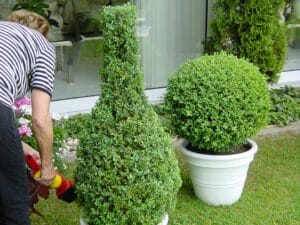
23, 112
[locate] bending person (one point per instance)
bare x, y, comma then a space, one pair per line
27, 63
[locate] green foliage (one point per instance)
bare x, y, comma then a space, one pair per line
160, 110
250, 29
216, 102
285, 105
76, 124
127, 171
59, 135
39, 7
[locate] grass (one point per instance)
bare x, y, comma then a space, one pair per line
271, 195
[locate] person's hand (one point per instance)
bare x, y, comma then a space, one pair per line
28, 150
47, 175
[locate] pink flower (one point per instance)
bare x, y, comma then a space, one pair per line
24, 130
22, 101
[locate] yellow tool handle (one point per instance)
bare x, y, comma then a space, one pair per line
56, 182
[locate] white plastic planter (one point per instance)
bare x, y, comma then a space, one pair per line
164, 220
219, 179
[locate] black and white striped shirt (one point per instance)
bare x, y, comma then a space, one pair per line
27, 61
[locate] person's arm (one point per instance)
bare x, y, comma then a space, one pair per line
43, 132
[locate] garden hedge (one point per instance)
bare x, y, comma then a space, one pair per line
250, 29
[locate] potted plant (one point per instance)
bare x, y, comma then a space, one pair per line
215, 103
126, 171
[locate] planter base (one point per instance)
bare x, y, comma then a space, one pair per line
164, 220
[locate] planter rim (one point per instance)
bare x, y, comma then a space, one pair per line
245, 154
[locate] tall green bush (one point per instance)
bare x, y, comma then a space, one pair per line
127, 172
250, 29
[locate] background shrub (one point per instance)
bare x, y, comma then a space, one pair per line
39, 7
250, 29
127, 172
217, 101
285, 105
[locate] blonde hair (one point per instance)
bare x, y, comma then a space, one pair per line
30, 19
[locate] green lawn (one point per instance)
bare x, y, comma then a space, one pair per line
271, 195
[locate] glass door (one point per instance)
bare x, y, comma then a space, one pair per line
292, 17
171, 32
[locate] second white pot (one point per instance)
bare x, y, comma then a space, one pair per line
219, 179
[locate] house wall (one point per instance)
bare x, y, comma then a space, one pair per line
171, 32
155, 96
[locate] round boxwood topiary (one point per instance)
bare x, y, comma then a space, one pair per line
215, 102
127, 172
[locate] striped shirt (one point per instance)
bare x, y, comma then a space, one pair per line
27, 61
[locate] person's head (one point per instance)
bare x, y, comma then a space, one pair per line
30, 19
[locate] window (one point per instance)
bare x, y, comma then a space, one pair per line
171, 32
292, 16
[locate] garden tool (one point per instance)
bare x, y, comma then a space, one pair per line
65, 189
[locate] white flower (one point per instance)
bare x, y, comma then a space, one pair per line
23, 121
56, 116
65, 116
26, 109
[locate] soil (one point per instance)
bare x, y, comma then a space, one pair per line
231, 151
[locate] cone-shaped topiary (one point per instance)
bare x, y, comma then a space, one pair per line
127, 171
250, 29
217, 101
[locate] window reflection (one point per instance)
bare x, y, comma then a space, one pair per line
292, 20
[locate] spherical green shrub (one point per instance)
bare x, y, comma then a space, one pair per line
127, 172
215, 102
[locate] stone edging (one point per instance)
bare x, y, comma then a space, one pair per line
275, 130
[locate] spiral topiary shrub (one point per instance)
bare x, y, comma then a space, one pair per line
217, 101
250, 29
127, 171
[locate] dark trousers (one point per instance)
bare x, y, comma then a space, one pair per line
14, 195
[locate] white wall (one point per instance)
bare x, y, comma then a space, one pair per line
84, 105
155, 96
288, 78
